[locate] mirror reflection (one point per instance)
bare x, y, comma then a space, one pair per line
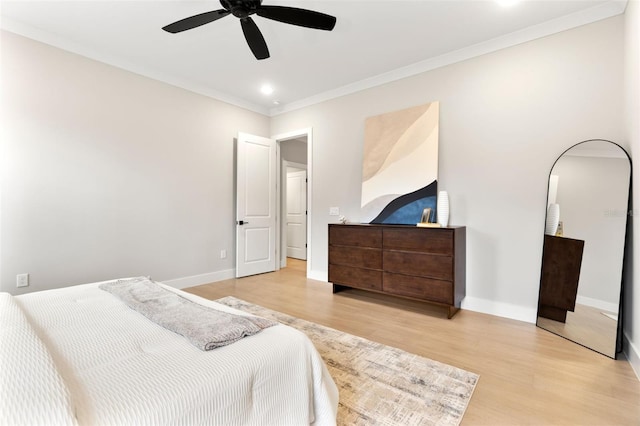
581, 277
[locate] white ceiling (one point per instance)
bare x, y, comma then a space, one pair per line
374, 41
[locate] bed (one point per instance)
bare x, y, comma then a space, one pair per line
79, 355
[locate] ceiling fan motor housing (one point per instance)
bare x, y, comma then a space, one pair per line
241, 8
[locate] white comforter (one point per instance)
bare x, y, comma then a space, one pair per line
82, 356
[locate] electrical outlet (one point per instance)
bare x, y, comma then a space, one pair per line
22, 280
334, 211
223, 254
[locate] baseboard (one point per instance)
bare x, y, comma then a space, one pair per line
212, 277
598, 304
318, 275
632, 354
195, 280
506, 310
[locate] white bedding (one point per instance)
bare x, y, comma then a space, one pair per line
28, 377
119, 368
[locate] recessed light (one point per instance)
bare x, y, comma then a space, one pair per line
507, 3
276, 102
266, 89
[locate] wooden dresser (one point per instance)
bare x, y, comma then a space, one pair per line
426, 264
561, 263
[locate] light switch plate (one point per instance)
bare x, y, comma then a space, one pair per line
334, 211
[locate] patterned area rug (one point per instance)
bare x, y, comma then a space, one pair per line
379, 384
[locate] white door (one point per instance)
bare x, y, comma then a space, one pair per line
297, 214
255, 205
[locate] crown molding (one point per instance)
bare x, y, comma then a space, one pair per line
51, 39
587, 16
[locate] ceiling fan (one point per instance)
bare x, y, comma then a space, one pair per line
243, 9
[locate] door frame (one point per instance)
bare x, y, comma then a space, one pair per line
294, 134
283, 204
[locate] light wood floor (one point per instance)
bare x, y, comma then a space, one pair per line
528, 376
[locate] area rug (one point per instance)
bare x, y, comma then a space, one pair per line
379, 384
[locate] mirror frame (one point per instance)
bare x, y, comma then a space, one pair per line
624, 260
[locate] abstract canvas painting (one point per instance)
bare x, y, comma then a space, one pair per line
400, 165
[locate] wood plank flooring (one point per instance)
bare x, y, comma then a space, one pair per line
528, 376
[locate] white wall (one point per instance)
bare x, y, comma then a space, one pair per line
294, 150
108, 174
631, 312
504, 119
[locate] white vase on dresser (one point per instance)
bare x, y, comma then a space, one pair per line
553, 217
442, 208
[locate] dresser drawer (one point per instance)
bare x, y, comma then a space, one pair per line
360, 257
419, 264
359, 236
435, 241
420, 288
355, 277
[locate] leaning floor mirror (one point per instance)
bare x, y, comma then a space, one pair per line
584, 246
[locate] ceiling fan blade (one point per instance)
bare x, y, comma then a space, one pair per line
195, 21
254, 38
295, 16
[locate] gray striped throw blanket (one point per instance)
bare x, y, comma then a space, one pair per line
205, 327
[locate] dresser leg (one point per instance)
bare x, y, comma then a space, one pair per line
337, 288
452, 311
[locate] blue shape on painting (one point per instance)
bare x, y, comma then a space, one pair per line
407, 209
411, 213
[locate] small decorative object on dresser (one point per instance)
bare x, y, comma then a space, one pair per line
426, 264
425, 221
442, 209
426, 215
553, 218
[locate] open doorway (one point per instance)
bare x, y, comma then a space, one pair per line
294, 161
294, 190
